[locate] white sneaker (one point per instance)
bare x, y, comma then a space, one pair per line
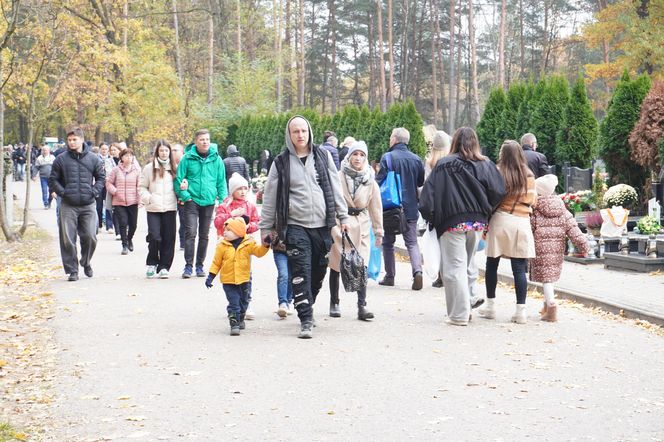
488, 310
163, 274
150, 271
520, 316
282, 311
249, 315
291, 309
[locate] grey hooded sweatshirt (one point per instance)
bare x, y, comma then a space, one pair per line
306, 205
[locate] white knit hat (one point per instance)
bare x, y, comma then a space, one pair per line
236, 182
358, 145
546, 184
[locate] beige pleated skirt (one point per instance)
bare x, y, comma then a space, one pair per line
510, 236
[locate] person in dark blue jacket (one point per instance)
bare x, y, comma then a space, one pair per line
411, 169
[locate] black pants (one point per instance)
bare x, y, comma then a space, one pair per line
100, 207
197, 218
161, 239
181, 232
127, 217
334, 290
307, 264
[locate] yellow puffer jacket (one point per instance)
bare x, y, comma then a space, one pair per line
235, 264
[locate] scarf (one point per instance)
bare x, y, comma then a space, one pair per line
163, 162
356, 178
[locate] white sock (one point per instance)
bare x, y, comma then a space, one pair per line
549, 295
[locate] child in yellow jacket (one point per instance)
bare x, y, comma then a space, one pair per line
233, 258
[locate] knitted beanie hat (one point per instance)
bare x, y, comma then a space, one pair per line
358, 145
546, 185
237, 226
236, 182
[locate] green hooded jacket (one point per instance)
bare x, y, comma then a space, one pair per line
206, 177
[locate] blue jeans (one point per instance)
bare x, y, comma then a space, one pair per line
284, 289
238, 298
46, 196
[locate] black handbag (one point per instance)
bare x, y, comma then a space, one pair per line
392, 220
353, 270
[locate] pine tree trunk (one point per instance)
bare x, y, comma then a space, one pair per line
372, 64
419, 26
300, 92
545, 40
381, 54
326, 61
434, 76
474, 95
452, 95
276, 4
333, 26
178, 58
405, 5
459, 63
210, 76
441, 60
238, 13
390, 55
501, 44
522, 47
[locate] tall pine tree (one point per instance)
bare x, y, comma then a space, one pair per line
577, 140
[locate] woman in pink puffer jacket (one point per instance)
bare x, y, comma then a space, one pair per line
122, 184
552, 224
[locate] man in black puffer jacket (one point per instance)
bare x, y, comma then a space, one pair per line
235, 163
78, 177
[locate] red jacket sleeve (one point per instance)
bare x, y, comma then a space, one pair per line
223, 215
252, 213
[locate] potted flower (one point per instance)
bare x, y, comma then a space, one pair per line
593, 223
621, 195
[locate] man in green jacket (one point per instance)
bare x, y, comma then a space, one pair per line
200, 180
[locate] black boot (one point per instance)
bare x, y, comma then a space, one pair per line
388, 281
363, 314
438, 283
334, 294
235, 325
130, 245
241, 323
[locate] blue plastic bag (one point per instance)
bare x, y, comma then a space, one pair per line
373, 269
390, 188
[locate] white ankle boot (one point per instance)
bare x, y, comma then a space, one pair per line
488, 310
520, 315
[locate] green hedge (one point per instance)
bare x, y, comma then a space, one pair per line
253, 134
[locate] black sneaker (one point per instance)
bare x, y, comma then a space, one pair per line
235, 325
73, 276
306, 330
125, 251
88, 271
388, 281
363, 314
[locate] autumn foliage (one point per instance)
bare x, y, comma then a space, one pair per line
648, 132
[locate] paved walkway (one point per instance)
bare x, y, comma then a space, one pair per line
152, 360
635, 295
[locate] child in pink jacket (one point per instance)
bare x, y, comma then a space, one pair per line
552, 224
235, 205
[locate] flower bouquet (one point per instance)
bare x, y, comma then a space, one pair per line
579, 201
648, 224
620, 195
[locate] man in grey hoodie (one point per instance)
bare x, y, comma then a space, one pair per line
301, 202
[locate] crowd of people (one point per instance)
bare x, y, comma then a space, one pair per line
318, 201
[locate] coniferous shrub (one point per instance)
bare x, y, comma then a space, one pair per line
489, 125
621, 115
516, 95
547, 119
577, 140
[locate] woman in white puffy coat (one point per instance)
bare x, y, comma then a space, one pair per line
160, 201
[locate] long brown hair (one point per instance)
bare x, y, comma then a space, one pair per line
466, 144
155, 160
514, 168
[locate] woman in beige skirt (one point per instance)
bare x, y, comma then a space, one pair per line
509, 233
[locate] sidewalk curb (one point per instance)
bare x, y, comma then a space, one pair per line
576, 296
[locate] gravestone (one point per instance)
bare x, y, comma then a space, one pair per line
577, 179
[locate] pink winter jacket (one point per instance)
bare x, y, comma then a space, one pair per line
123, 185
552, 224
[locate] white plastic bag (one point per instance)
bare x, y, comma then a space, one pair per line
431, 253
